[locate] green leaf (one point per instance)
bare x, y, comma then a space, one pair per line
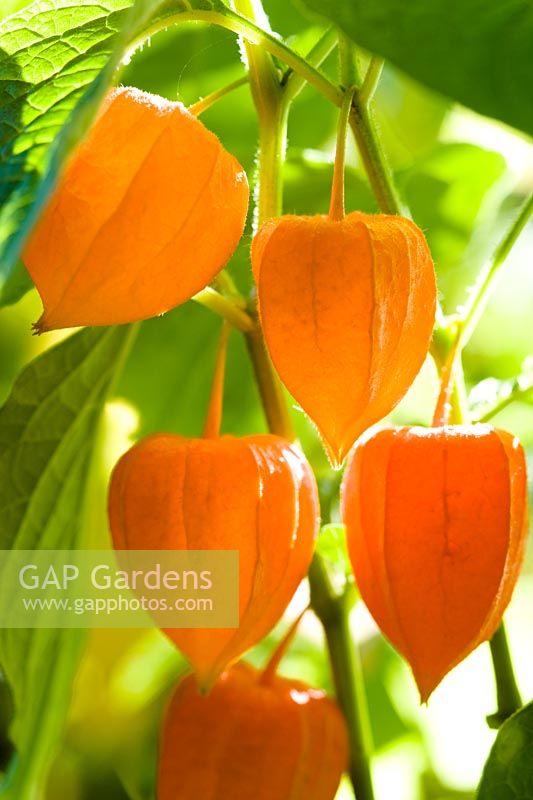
475, 52
57, 60
507, 774
47, 430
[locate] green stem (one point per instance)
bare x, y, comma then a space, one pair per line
293, 82
348, 63
270, 159
270, 389
480, 296
225, 308
518, 392
206, 102
224, 283
264, 78
252, 34
507, 692
333, 612
458, 399
362, 124
267, 94
370, 83
373, 158
272, 137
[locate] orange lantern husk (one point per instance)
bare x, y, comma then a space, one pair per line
248, 738
436, 522
148, 210
254, 494
347, 307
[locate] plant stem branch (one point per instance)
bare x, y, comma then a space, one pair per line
362, 124
333, 612
267, 94
206, 102
225, 308
517, 393
263, 75
507, 692
486, 280
348, 63
293, 82
371, 80
224, 283
373, 158
250, 32
270, 389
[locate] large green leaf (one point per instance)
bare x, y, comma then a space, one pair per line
473, 51
57, 59
47, 430
508, 774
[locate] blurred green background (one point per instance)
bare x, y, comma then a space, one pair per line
463, 176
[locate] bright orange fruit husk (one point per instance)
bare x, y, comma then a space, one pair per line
254, 494
436, 522
347, 309
247, 739
147, 212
